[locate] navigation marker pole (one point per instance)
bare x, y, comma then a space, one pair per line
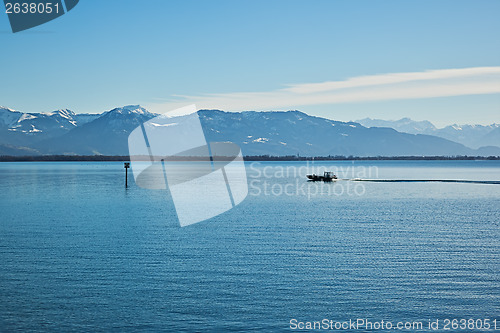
126, 166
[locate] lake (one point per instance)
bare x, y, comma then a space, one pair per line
79, 252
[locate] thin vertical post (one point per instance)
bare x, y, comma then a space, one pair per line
126, 166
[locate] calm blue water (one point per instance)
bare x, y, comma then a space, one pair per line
78, 252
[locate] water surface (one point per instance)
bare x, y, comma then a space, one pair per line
79, 252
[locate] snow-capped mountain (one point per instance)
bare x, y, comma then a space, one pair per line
106, 135
257, 133
51, 124
43, 124
472, 136
294, 132
405, 125
492, 138
23, 132
8, 116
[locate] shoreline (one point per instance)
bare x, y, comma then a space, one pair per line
117, 158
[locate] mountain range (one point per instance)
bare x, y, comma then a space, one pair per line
257, 133
472, 136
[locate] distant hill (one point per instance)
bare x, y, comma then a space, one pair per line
257, 133
492, 138
472, 136
405, 125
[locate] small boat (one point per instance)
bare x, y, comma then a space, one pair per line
328, 176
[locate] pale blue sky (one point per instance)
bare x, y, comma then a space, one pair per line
108, 53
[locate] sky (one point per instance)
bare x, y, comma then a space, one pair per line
344, 60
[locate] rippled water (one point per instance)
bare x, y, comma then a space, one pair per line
78, 252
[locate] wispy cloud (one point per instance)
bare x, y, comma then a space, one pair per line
391, 86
